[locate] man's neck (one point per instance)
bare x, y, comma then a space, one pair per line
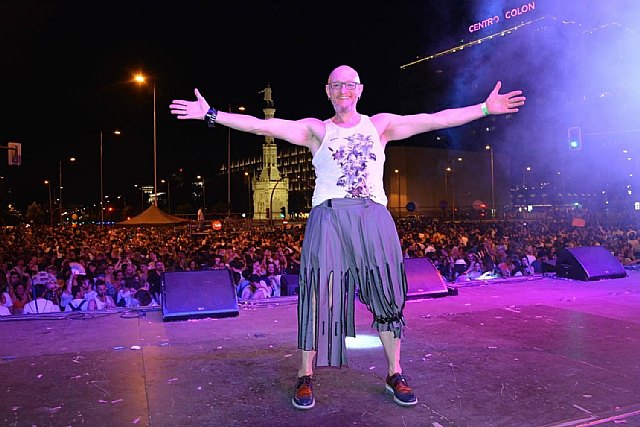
346, 118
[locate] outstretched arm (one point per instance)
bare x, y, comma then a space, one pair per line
70, 282
394, 127
306, 132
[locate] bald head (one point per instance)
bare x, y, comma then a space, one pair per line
344, 73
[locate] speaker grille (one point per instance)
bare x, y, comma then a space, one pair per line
588, 263
423, 279
197, 294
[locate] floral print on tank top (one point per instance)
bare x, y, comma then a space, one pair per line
352, 158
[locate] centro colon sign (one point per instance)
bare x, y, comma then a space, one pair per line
509, 14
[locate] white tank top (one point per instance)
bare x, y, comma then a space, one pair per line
99, 304
350, 163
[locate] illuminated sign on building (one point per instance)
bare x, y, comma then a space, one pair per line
509, 14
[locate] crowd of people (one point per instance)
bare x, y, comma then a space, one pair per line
50, 269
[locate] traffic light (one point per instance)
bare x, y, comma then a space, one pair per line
575, 138
283, 212
14, 153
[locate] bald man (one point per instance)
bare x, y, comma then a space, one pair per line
350, 238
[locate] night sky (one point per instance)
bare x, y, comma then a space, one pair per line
67, 69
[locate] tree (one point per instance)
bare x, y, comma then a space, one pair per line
35, 213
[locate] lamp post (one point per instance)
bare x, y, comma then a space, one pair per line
107, 203
453, 188
453, 196
524, 172
561, 177
48, 184
246, 174
168, 194
141, 195
446, 189
524, 182
204, 193
71, 159
141, 79
397, 172
115, 132
240, 108
493, 185
271, 199
60, 194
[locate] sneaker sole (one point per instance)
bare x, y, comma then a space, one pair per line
398, 401
295, 405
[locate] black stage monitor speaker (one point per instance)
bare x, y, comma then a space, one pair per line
198, 294
423, 279
549, 266
289, 285
588, 263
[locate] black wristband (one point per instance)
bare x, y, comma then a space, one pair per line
210, 117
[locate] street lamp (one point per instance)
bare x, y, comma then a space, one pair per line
524, 171
273, 190
71, 159
239, 108
115, 132
493, 185
204, 194
446, 188
48, 184
453, 188
141, 79
246, 174
561, 177
398, 188
107, 203
168, 194
141, 195
524, 182
124, 200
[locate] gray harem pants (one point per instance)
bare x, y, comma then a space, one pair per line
348, 244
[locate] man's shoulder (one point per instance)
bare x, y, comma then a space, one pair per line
316, 126
380, 118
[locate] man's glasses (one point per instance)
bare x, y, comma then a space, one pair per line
348, 85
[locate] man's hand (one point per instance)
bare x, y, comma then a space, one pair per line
504, 103
190, 109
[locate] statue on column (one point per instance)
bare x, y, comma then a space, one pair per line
267, 95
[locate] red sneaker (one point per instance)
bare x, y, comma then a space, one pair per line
303, 398
402, 394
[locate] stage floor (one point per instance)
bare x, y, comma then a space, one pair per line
519, 352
